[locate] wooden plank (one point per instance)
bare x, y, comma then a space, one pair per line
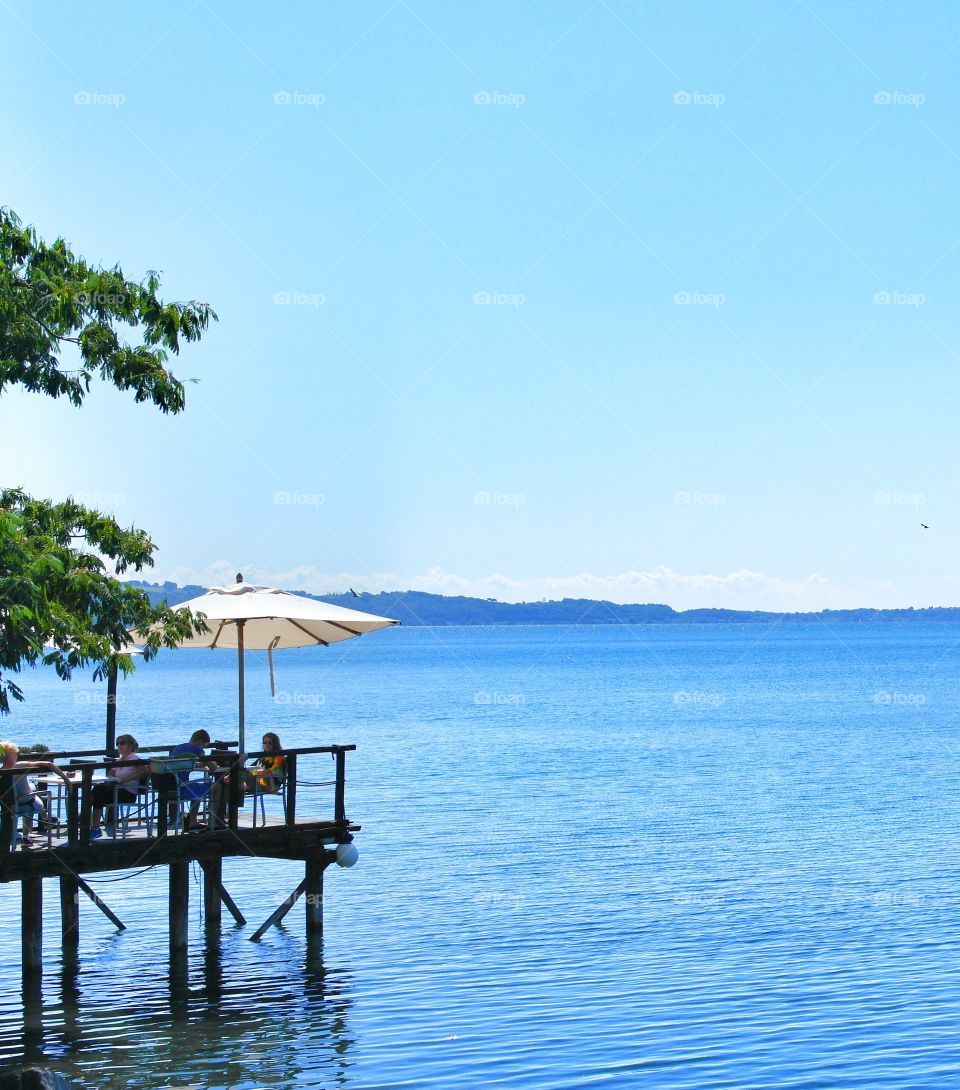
275, 841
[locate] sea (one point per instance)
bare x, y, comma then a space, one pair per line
664, 856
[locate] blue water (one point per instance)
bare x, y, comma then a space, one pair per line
712, 856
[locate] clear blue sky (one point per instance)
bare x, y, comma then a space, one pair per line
521, 301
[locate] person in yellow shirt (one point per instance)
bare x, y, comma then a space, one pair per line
269, 771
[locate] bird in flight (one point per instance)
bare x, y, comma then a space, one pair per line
925, 526
354, 593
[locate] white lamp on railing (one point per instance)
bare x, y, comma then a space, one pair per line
347, 854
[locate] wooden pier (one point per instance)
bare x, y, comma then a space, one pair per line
67, 854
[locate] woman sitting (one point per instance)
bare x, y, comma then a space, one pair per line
28, 805
268, 773
121, 785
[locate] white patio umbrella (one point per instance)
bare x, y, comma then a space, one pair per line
242, 615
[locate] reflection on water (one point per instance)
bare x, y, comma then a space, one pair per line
201, 1020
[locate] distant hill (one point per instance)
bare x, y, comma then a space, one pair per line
414, 607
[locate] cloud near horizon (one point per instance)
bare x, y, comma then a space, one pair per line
736, 590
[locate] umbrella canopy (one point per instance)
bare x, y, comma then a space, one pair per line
262, 618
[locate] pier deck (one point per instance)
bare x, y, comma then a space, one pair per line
243, 829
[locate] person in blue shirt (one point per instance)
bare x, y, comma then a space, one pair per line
194, 790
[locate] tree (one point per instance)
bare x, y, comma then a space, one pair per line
61, 602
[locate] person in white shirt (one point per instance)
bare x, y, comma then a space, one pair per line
124, 777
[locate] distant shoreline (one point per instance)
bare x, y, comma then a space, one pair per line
417, 608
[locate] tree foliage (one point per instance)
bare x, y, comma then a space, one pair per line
49, 299
61, 602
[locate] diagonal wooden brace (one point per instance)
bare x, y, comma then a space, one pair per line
278, 915
115, 920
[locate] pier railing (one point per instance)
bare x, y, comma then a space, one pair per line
87, 767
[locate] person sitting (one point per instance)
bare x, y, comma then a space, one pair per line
28, 806
195, 790
265, 777
121, 785
268, 772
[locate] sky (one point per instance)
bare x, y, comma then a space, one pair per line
645, 302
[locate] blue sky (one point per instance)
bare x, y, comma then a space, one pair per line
645, 302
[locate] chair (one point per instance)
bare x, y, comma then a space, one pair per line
262, 796
187, 790
127, 807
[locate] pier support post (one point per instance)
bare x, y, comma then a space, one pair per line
69, 914
212, 882
31, 909
313, 888
179, 906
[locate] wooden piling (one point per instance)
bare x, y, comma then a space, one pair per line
212, 871
313, 889
31, 925
179, 905
213, 878
69, 913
